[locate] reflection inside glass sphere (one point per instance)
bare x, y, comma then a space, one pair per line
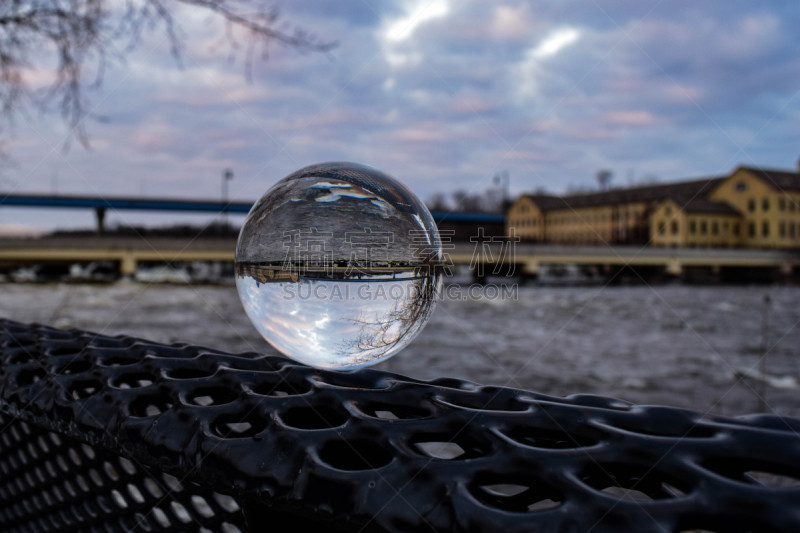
338, 266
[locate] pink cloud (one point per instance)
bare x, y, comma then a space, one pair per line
638, 119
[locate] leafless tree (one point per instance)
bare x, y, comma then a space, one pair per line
438, 202
76, 39
604, 179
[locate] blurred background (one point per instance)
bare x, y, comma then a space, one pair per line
472, 105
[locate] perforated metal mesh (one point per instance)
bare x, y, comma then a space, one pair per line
119, 434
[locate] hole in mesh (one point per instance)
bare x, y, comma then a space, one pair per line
135, 493
172, 483
141, 522
127, 466
149, 405
161, 517
201, 506
356, 380
631, 495
631, 483
188, 373
110, 471
133, 380
510, 495
88, 451
42, 443
29, 377
308, 417
355, 454
505, 490
440, 450
32, 451
117, 360
448, 447
118, 499
152, 487
180, 512
756, 472
283, 387
672, 490
227, 503
94, 475
74, 367
80, 390
236, 426
387, 411
771, 480
211, 396
551, 439
82, 483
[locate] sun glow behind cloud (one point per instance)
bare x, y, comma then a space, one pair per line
555, 42
401, 29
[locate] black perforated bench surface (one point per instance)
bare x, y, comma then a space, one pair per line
121, 434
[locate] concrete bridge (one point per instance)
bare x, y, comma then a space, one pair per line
483, 258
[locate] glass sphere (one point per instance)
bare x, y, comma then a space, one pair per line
338, 266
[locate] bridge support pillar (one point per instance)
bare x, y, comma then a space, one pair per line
127, 265
674, 268
100, 213
530, 270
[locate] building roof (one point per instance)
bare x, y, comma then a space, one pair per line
697, 188
700, 205
780, 179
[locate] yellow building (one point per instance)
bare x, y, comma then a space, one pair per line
751, 207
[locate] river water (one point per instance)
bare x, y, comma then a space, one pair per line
685, 346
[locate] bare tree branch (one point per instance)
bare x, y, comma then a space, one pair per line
48, 46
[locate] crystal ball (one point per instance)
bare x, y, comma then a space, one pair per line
338, 266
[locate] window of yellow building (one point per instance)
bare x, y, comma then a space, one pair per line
782, 229
751, 205
781, 204
674, 227
791, 230
703, 227
765, 228
736, 229
765, 204
752, 230
692, 227
662, 228
715, 228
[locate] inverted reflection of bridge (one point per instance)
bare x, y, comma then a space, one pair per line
281, 273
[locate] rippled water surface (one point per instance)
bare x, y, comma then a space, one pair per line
676, 345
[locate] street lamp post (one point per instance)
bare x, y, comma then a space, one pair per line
226, 177
502, 178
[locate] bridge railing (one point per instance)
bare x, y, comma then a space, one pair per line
121, 434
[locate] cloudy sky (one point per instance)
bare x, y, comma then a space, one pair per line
442, 94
